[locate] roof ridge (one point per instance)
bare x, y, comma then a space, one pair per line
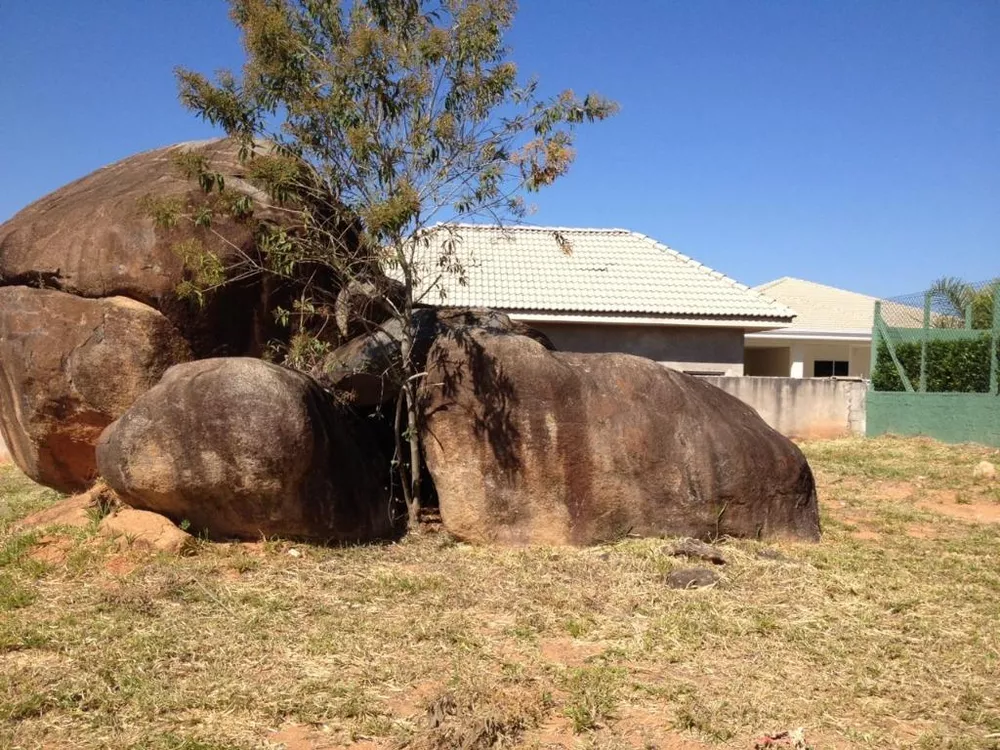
820, 284
531, 227
769, 284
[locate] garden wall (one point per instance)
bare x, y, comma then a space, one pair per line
803, 407
950, 417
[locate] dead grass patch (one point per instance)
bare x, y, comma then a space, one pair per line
883, 640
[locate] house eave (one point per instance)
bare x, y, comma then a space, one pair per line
632, 319
814, 334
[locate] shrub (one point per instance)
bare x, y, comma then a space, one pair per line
953, 366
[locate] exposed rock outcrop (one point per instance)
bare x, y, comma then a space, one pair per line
96, 237
68, 368
242, 448
368, 369
531, 446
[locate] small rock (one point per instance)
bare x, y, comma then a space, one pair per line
698, 550
76, 512
146, 529
984, 470
769, 554
294, 553
692, 578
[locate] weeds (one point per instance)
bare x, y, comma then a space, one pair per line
883, 635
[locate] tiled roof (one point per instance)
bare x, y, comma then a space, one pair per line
607, 271
822, 308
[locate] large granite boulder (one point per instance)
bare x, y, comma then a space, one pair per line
96, 238
68, 368
243, 448
368, 369
528, 446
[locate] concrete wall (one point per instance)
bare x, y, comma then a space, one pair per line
697, 350
803, 408
950, 417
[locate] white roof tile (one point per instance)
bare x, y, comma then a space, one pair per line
819, 307
610, 271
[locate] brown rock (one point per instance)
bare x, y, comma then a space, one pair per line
530, 446
75, 512
141, 528
243, 448
367, 369
698, 550
692, 578
68, 368
94, 238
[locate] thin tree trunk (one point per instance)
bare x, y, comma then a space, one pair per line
414, 440
412, 496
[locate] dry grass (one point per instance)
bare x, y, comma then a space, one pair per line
883, 635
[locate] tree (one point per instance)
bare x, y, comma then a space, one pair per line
372, 125
958, 296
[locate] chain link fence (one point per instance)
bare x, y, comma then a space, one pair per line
943, 340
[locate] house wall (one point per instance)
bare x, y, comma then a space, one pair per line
771, 361
797, 358
803, 408
698, 350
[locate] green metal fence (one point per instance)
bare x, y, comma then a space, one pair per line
935, 367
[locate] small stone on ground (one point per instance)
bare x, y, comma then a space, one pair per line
698, 550
692, 578
146, 529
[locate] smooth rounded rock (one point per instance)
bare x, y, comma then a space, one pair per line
239, 447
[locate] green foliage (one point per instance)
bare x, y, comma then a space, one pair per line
953, 366
397, 112
959, 297
367, 123
166, 211
206, 270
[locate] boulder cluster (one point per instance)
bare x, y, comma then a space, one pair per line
106, 373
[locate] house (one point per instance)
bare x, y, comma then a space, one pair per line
600, 290
830, 337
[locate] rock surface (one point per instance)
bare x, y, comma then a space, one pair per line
68, 368
692, 578
243, 448
529, 446
698, 550
141, 528
367, 369
74, 512
94, 238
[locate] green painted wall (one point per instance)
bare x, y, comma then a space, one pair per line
950, 417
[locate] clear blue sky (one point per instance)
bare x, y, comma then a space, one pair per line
850, 142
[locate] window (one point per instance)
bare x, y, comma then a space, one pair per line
826, 368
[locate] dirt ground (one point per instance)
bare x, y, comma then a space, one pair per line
883, 635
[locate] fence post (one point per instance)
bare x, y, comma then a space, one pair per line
875, 345
994, 344
923, 342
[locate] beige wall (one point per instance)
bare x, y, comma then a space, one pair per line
699, 350
806, 408
797, 358
774, 361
